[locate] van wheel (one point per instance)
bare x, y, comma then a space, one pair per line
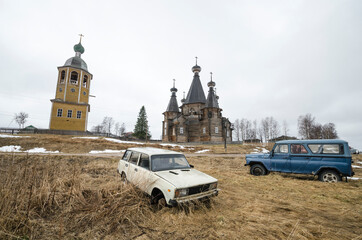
330, 176
257, 170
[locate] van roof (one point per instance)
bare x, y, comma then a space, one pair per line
153, 151
322, 141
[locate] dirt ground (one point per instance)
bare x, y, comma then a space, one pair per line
81, 197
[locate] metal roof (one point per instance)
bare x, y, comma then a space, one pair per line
172, 105
211, 101
76, 62
321, 141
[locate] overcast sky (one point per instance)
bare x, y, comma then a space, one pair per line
269, 58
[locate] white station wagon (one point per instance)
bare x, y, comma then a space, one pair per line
166, 176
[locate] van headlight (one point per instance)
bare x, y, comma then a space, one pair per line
213, 186
181, 192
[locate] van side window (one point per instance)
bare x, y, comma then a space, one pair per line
144, 161
134, 158
126, 155
282, 148
326, 148
298, 149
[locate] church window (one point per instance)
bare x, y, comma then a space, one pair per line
60, 112
216, 129
227, 133
204, 130
173, 131
79, 114
74, 78
165, 131
62, 76
73, 90
85, 80
69, 115
60, 90
181, 130
84, 93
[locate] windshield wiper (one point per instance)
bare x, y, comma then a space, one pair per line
173, 172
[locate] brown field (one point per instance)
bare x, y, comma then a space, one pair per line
81, 197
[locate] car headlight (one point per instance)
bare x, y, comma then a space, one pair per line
213, 186
181, 192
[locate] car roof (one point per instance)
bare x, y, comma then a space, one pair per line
153, 151
322, 141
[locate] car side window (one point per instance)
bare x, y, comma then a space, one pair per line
144, 161
326, 148
298, 149
126, 155
282, 148
134, 157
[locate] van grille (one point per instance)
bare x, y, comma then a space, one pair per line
199, 189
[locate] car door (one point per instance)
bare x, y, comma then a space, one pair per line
132, 166
280, 158
142, 175
299, 158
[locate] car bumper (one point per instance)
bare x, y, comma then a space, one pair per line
194, 197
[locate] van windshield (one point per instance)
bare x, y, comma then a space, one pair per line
168, 162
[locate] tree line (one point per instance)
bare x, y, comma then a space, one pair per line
269, 128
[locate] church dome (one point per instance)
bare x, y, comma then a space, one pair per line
78, 48
196, 68
76, 62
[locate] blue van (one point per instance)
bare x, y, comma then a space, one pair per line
330, 160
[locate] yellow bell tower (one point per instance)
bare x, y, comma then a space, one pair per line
70, 106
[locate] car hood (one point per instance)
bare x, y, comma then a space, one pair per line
186, 178
257, 155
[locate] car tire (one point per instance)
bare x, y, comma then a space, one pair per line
257, 170
124, 178
330, 176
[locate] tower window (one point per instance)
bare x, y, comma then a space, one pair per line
73, 90
62, 76
216, 130
69, 113
85, 80
84, 93
60, 112
79, 114
60, 90
181, 130
74, 78
204, 130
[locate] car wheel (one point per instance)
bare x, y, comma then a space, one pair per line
329, 176
257, 170
124, 178
161, 203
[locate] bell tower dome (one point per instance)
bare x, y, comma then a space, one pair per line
70, 107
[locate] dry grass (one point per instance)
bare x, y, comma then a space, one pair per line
81, 197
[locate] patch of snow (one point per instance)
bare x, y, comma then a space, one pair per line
359, 162
107, 151
253, 152
10, 148
172, 145
353, 178
355, 166
202, 151
12, 136
87, 137
40, 150
121, 141
264, 150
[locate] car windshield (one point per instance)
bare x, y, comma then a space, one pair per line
168, 162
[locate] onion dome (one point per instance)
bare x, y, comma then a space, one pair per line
196, 68
78, 48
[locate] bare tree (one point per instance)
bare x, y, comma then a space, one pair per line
116, 128
265, 128
329, 131
122, 129
274, 128
305, 124
107, 124
316, 131
285, 128
237, 129
20, 118
242, 129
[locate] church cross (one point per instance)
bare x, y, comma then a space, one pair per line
196, 60
174, 82
81, 35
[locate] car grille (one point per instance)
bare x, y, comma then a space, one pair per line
199, 189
